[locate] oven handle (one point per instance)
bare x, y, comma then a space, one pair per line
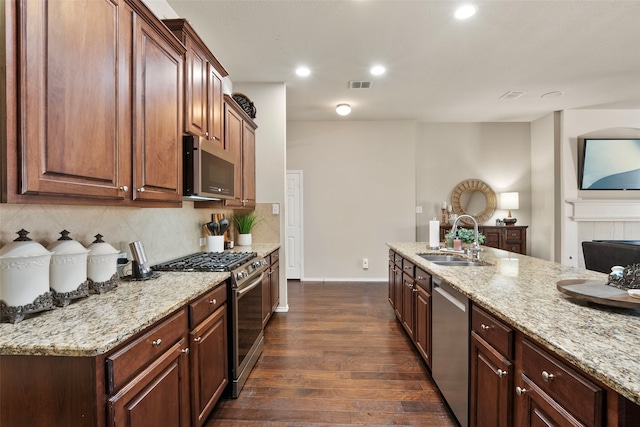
253, 284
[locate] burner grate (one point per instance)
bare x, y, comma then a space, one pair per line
207, 261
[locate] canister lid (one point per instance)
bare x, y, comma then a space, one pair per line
65, 245
100, 247
22, 246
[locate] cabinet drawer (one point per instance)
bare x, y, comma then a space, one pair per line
515, 234
133, 357
577, 394
392, 256
202, 308
493, 331
423, 279
275, 256
408, 267
398, 260
513, 247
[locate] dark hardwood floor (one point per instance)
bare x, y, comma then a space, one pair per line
337, 358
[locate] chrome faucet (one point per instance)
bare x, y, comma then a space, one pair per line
475, 251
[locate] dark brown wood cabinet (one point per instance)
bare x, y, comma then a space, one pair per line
271, 286
512, 238
422, 328
92, 87
208, 360
203, 111
240, 141
392, 279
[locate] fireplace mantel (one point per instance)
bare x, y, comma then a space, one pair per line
605, 209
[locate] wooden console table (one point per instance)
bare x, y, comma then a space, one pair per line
512, 238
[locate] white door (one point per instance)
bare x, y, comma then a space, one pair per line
293, 219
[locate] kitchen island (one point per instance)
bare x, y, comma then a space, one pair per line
521, 292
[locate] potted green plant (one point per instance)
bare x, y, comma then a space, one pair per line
465, 235
244, 224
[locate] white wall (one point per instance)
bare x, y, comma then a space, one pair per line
270, 102
448, 153
359, 194
576, 123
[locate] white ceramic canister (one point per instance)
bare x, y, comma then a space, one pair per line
24, 271
68, 264
102, 261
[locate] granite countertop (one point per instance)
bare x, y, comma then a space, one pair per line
521, 290
100, 322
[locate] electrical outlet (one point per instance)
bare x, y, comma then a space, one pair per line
203, 241
418, 209
365, 263
275, 209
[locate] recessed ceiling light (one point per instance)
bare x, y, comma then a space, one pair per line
554, 94
303, 71
378, 70
343, 109
466, 11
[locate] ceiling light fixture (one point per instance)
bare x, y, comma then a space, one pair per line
466, 11
303, 71
378, 70
343, 109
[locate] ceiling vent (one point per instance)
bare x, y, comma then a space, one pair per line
356, 84
512, 94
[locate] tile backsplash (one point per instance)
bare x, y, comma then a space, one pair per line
165, 232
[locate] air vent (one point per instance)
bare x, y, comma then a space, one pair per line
355, 84
512, 94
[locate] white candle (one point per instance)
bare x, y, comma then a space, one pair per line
449, 208
444, 205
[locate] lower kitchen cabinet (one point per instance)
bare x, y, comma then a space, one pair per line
422, 329
392, 289
208, 358
271, 286
158, 396
408, 303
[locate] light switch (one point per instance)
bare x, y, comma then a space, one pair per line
275, 209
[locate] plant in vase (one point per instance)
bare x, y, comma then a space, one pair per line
464, 234
244, 224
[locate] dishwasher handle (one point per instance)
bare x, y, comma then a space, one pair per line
453, 300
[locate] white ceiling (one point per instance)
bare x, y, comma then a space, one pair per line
439, 69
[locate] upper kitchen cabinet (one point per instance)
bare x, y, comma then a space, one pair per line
240, 140
203, 85
93, 111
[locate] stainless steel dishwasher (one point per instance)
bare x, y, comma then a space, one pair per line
450, 347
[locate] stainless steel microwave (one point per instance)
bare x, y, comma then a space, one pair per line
208, 170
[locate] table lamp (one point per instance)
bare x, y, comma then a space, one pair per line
509, 201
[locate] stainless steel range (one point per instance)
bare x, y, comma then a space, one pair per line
246, 336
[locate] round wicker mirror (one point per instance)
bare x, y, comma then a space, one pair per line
473, 197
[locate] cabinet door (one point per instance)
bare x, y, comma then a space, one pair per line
215, 107
73, 99
266, 298
392, 289
196, 93
275, 285
158, 396
399, 286
491, 385
408, 306
422, 328
158, 117
233, 144
248, 166
537, 409
209, 364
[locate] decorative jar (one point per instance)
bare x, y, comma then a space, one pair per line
68, 272
102, 266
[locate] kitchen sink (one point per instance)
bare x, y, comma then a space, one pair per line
452, 260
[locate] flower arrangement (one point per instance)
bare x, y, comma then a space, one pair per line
465, 235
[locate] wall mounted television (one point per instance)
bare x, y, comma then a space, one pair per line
610, 164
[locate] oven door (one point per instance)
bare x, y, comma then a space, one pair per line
247, 331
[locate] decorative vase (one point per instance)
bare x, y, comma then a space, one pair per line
244, 239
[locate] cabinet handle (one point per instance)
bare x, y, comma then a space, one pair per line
124, 188
502, 373
213, 301
141, 190
407, 268
206, 134
198, 340
485, 327
520, 391
156, 342
546, 376
421, 278
185, 350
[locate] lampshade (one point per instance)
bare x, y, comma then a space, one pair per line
509, 200
343, 109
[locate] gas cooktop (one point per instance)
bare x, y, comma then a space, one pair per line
207, 261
